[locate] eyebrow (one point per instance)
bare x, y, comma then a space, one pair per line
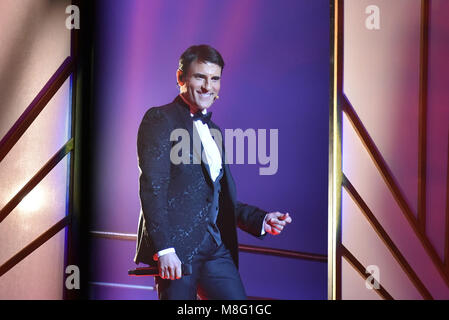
200, 75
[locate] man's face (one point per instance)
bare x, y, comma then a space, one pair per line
201, 84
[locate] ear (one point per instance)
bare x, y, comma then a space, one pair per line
180, 77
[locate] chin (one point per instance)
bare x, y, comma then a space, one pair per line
203, 107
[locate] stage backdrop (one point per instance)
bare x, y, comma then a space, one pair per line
276, 77
395, 125
34, 43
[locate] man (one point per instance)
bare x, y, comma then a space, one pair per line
189, 210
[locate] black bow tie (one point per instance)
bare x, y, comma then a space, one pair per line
205, 118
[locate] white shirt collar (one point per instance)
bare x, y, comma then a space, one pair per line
204, 111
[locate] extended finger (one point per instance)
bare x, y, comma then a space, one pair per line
277, 222
178, 272
276, 229
162, 273
276, 225
286, 217
171, 274
283, 216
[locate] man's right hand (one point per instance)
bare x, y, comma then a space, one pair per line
170, 266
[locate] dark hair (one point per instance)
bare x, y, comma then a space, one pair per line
202, 53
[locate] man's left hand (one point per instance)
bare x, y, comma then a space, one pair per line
276, 221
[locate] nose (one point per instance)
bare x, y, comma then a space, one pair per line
207, 85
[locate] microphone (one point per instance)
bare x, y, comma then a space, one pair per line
154, 271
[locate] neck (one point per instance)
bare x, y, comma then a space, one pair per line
193, 109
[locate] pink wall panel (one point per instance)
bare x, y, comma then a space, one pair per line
364, 176
353, 285
438, 124
44, 206
363, 242
46, 135
381, 80
33, 279
34, 42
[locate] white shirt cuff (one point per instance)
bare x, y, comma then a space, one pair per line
263, 226
162, 252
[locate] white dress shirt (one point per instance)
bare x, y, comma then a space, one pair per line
211, 151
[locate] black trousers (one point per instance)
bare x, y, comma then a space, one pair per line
214, 277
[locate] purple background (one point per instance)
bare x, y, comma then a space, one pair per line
276, 77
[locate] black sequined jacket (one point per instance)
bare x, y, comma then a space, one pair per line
175, 198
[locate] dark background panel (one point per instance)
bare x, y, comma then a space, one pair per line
283, 278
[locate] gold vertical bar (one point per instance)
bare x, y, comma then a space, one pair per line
335, 172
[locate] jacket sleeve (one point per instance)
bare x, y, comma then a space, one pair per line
153, 150
250, 219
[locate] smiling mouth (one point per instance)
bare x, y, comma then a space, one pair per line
205, 95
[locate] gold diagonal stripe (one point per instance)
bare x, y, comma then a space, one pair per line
383, 235
34, 181
393, 186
